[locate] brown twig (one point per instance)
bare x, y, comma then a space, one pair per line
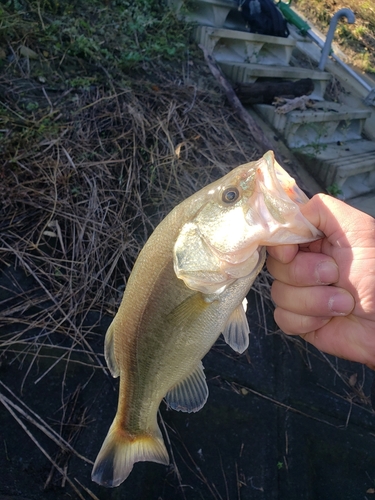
261, 141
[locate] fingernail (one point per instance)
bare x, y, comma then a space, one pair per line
341, 304
327, 273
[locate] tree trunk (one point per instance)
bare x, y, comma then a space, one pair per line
265, 92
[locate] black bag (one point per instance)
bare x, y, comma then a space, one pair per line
263, 17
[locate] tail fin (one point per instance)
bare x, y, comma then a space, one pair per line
121, 450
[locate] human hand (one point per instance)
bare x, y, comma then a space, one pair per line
324, 291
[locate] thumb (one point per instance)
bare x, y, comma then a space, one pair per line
332, 216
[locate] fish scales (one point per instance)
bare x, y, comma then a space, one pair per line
187, 286
162, 329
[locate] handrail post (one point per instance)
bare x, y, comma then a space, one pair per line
332, 27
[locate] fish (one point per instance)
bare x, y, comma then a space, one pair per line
189, 285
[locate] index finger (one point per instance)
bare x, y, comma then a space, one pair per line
283, 253
306, 269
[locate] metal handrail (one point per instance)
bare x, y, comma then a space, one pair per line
293, 18
349, 14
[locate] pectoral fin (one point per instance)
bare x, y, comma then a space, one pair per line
191, 394
236, 332
109, 351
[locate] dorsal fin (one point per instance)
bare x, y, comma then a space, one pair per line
109, 351
191, 393
236, 332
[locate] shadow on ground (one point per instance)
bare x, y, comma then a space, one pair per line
282, 422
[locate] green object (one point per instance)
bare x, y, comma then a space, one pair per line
293, 18
334, 190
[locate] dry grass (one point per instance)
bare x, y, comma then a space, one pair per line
76, 209
78, 206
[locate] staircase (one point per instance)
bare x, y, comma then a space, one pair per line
327, 139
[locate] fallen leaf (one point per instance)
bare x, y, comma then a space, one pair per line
353, 379
29, 53
177, 150
50, 233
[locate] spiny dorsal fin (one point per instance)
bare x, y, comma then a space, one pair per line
109, 351
191, 394
236, 332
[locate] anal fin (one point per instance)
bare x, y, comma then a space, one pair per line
236, 332
190, 394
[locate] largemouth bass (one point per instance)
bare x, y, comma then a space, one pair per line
187, 286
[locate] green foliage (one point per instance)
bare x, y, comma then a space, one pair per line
117, 34
53, 46
334, 190
344, 34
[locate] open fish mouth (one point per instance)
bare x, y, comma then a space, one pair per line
256, 205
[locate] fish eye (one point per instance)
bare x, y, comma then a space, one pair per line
230, 195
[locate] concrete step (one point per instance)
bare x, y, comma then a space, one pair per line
248, 73
366, 203
350, 165
215, 13
239, 46
328, 122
